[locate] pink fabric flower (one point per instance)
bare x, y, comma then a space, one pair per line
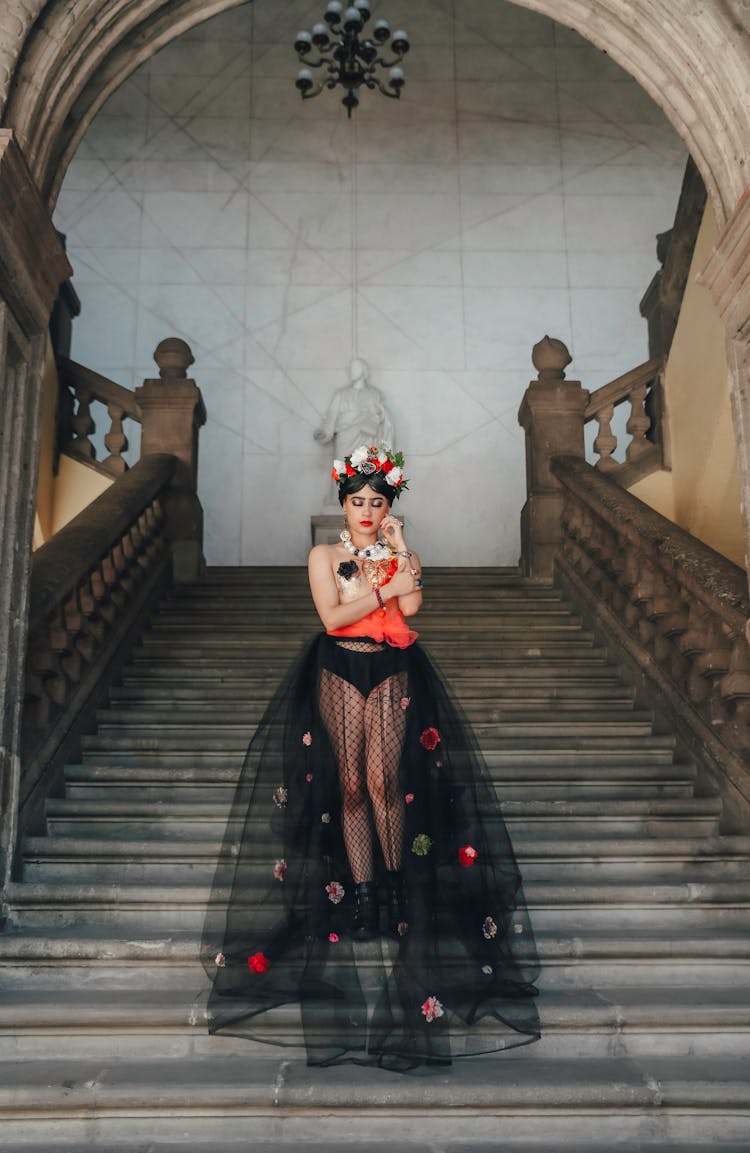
409, 798
333, 938
279, 870
467, 855
432, 1008
258, 963
307, 739
220, 961
308, 777
335, 892
405, 702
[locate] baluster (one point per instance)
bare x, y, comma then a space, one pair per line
639, 422
606, 441
83, 426
116, 441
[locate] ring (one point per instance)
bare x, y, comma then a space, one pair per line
420, 582
413, 571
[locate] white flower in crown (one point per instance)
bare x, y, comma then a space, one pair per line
394, 476
339, 467
359, 456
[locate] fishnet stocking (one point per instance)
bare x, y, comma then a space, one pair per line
367, 736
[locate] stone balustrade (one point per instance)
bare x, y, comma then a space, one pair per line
80, 387
90, 584
640, 388
678, 609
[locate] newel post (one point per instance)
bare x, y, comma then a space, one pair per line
552, 416
173, 411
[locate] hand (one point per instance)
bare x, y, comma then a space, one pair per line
393, 531
401, 584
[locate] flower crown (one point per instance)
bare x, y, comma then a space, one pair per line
368, 460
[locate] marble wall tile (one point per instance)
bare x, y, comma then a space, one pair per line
515, 189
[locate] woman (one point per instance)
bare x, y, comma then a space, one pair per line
371, 878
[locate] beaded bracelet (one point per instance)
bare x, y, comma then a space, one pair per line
378, 597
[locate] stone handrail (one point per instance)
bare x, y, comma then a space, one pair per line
82, 580
678, 608
80, 388
92, 584
640, 387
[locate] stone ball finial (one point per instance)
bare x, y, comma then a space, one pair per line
174, 357
550, 358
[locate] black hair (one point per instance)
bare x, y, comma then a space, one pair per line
376, 481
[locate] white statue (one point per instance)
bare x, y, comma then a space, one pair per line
356, 415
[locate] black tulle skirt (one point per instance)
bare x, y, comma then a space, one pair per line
457, 978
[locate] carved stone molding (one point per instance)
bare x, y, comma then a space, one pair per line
727, 273
33, 263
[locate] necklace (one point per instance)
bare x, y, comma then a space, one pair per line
377, 551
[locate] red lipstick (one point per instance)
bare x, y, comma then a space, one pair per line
366, 523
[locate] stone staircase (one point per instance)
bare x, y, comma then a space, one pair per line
640, 907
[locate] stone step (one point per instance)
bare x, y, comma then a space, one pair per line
277, 1099
88, 860
112, 1024
213, 724
711, 906
70, 957
145, 693
550, 676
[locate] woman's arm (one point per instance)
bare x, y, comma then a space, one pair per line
411, 603
326, 596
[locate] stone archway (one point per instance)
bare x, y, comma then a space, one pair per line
58, 63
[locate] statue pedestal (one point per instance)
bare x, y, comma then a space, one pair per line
325, 529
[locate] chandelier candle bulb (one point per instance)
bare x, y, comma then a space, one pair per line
397, 78
334, 10
400, 42
381, 31
363, 8
352, 20
304, 79
320, 35
303, 43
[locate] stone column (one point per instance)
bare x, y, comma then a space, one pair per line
551, 415
173, 411
32, 267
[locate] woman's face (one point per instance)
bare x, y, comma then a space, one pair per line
365, 510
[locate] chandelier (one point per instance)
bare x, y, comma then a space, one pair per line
348, 60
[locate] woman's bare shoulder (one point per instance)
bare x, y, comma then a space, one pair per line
322, 554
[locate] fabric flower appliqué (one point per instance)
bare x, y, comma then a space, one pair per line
467, 855
307, 739
487, 970
421, 845
405, 702
308, 777
489, 929
279, 870
280, 797
258, 963
347, 569
335, 892
517, 927
333, 938
429, 738
220, 961
325, 818
432, 1008
409, 798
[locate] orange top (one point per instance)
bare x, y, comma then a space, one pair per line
386, 624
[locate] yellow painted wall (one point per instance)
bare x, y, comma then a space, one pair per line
702, 492
60, 497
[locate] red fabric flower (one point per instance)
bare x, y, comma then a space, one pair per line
430, 739
467, 855
258, 963
386, 466
334, 474
432, 1008
349, 470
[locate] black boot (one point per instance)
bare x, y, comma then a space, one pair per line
365, 924
398, 910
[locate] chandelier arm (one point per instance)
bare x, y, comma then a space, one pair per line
397, 60
391, 95
308, 63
